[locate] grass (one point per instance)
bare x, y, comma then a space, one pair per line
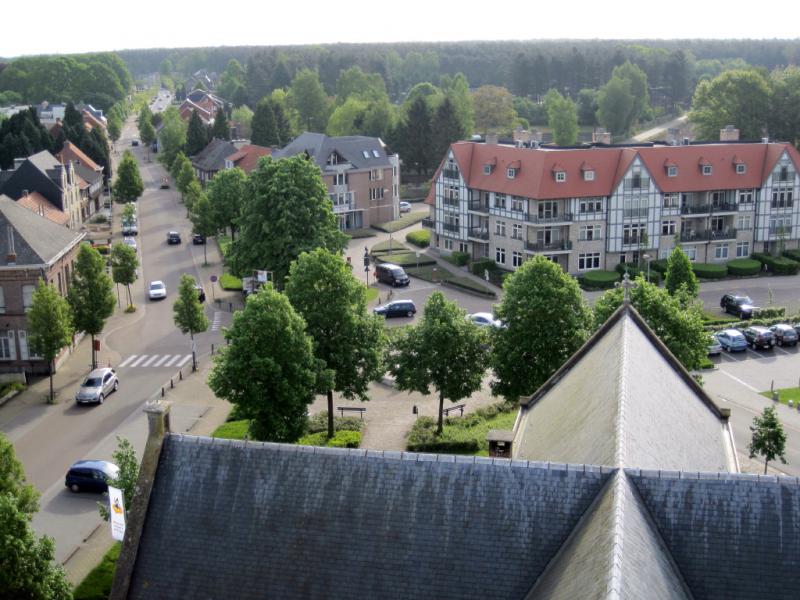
97, 585
785, 394
383, 247
462, 435
359, 233
470, 285
14, 386
405, 221
425, 272
232, 430
406, 259
224, 242
372, 293
713, 317
230, 282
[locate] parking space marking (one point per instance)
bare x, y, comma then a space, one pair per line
758, 355
737, 380
730, 356
778, 349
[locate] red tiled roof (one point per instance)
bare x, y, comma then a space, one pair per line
91, 121
71, 153
37, 203
246, 158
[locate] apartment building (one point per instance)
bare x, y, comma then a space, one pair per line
363, 179
594, 207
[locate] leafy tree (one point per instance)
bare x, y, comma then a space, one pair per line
268, 370
124, 263
193, 195
354, 83
265, 132
188, 312
530, 111
90, 295
680, 274
562, 118
49, 325
203, 220
378, 119
784, 114
348, 341
148, 134
416, 136
494, 109
740, 98
185, 176
286, 212
677, 75
347, 118
637, 80
72, 116
309, 98
769, 438
677, 322
446, 128
615, 105
226, 194
232, 77
172, 138
444, 352
114, 129
546, 320
129, 185
28, 567
587, 106
196, 135
178, 165
221, 129
125, 458
242, 117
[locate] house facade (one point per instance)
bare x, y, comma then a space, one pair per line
212, 159
362, 178
90, 177
595, 207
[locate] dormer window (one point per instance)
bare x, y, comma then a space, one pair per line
741, 169
487, 169
706, 169
588, 175
784, 173
365, 153
511, 173
561, 176
672, 171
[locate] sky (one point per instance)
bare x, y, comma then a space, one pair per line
57, 27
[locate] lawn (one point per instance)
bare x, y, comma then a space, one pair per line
785, 394
372, 293
232, 430
97, 585
383, 247
230, 282
405, 221
715, 317
426, 273
359, 233
405, 259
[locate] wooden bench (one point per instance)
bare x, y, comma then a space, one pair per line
458, 407
359, 409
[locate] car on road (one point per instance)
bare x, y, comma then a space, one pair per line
134, 142
129, 227
91, 476
201, 293
785, 334
198, 239
164, 183
731, 340
96, 386
157, 290
173, 237
484, 319
759, 337
394, 275
398, 308
714, 347
739, 305
129, 241
405, 207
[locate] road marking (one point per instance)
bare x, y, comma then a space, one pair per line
163, 360
783, 351
127, 360
186, 359
736, 379
173, 361
149, 362
138, 361
217, 320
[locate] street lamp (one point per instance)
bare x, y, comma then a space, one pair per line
648, 258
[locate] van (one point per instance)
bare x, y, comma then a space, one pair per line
394, 275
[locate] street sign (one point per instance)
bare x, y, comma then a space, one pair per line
213, 279
116, 505
261, 276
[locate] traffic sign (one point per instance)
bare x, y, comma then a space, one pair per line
213, 278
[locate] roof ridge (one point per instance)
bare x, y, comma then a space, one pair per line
711, 476
622, 393
615, 570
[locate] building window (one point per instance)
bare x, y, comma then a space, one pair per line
590, 206
782, 199
462, 247
517, 204
339, 179
587, 262
2, 301
500, 228
548, 210
784, 173
487, 169
706, 169
511, 173
500, 256
780, 226
721, 251
667, 227
448, 244
743, 222
375, 154
499, 200
516, 231
365, 153
636, 181
671, 200
589, 233
376, 193
745, 196
742, 249
741, 169
588, 175
375, 174
691, 252
516, 258
27, 296
561, 176
8, 350
633, 234
672, 171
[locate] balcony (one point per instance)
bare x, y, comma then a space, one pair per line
479, 207
450, 227
725, 234
429, 223
696, 210
450, 174
548, 220
721, 207
478, 233
554, 246
695, 236
450, 202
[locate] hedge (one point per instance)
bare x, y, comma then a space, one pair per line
770, 312
741, 267
710, 270
599, 280
421, 238
634, 272
660, 266
792, 254
230, 282
467, 284
359, 233
745, 324
340, 439
406, 220
319, 422
405, 259
459, 259
479, 266
779, 265
461, 435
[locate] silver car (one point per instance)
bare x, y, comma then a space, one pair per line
96, 386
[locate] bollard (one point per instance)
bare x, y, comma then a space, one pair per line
212, 349
180, 375
162, 391
774, 396
171, 383
791, 404
230, 306
772, 385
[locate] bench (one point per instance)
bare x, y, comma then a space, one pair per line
458, 407
360, 410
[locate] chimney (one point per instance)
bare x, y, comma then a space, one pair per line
765, 140
601, 136
685, 141
729, 134
11, 257
157, 419
491, 138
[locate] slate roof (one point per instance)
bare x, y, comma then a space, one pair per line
212, 157
39, 172
350, 148
37, 240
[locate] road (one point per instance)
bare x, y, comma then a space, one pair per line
658, 131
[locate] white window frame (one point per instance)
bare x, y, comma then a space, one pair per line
745, 196
672, 171
8, 347
511, 173
707, 170
668, 227
27, 296
742, 249
487, 169
671, 200
691, 252
516, 231
588, 261
517, 258
744, 222
500, 255
500, 228
500, 201
517, 204
588, 175
589, 233
448, 244
721, 251
741, 168
561, 176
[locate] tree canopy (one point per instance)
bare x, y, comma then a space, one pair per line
562, 118
680, 274
226, 194
129, 185
739, 98
49, 325
768, 437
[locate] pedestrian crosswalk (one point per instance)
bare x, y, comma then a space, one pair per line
155, 360
217, 320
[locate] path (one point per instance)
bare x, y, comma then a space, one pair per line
656, 131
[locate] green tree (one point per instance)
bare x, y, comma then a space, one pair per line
129, 185
242, 118
562, 118
740, 98
587, 106
172, 138
265, 132
546, 320
185, 176
114, 129
286, 212
194, 195
196, 135
494, 109
348, 341
49, 325
226, 194
680, 274
677, 75
267, 370
456, 88
444, 352
378, 119
784, 114
637, 80
148, 135
221, 129
354, 83
446, 128
125, 458
90, 295
416, 137
285, 116
615, 106
203, 220
347, 118
188, 312
674, 319
124, 263
28, 567
232, 77
178, 167
308, 97
769, 438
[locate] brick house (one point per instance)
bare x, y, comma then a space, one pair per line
32, 247
90, 177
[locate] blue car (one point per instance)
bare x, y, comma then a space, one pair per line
731, 340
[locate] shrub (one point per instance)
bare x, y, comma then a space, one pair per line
421, 238
779, 265
359, 233
422, 438
742, 267
459, 259
709, 270
383, 247
340, 439
771, 312
319, 422
230, 282
100, 219
634, 272
660, 265
793, 255
404, 221
600, 280
103, 249
483, 264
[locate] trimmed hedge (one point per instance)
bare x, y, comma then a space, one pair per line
779, 265
359, 233
634, 272
483, 264
599, 280
710, 270
771, 312
793, 255
459, 259
406, 220
660, 266
742, 267
421, 238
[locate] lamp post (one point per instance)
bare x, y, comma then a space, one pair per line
647, 259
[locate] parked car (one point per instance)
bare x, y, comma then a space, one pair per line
731, 340
484, 319
714, 347
201, 293
157, 290
198, 239
130, 228
96, 386
405, 207
91, 476
134, 142
394, 275
173, 237
741, 306
398, 308
164, 183
759, 337
785, 335
129, 241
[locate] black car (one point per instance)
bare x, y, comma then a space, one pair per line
785, 335
759, 337
91, 476
741, 306
394, 275
398, 308
198, 239
134, 142
173, 237
201, 293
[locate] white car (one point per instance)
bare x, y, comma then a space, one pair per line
129, 241
405, 207
157, 290
484, 319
